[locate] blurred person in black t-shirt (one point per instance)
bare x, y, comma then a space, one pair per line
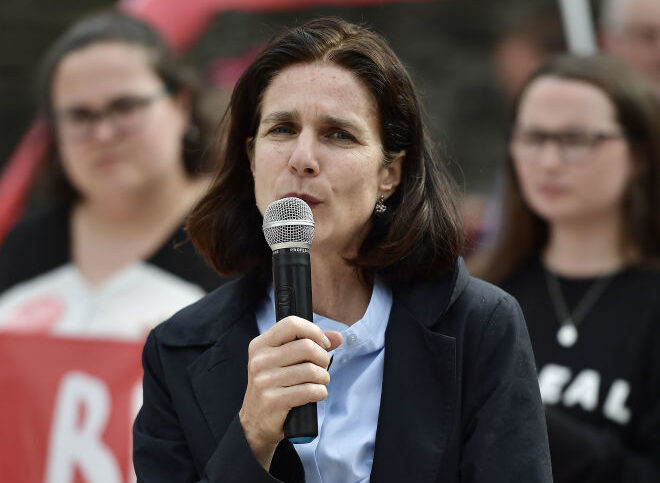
579, 248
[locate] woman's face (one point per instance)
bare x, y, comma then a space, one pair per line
137, 145
569, 153
318, 139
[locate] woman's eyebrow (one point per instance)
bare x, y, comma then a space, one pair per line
78, 105
279, 116
342, 124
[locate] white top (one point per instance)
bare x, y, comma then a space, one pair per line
126, 306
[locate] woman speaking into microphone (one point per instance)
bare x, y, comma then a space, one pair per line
432, 376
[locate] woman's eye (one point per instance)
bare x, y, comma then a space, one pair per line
282, 129
126, 105
341, 136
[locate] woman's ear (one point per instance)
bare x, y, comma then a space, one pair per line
183, 100
391, 175
638, 164
249, 150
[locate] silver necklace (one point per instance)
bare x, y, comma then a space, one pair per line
567, 334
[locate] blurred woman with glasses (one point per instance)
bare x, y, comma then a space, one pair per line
579, 249
131, 160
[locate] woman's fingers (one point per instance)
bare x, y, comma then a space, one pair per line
295, 352
304, 373
300, 394
291, 328
286, 368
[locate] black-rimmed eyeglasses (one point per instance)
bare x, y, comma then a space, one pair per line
575, 146
125, 113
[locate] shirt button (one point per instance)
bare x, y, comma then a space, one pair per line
352, 339
344, 360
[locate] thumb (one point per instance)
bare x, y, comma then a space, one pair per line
335, 339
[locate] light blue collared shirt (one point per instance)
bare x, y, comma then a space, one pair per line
343, 452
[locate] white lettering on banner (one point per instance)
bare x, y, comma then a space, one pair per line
72, 444
552, 380
136, 404
615, 404
584, 390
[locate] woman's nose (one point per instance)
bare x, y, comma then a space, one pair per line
550, 155
303, 160
103, 129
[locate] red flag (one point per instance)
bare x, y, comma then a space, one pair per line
19, 174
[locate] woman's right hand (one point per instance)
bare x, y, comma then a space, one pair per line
286, 368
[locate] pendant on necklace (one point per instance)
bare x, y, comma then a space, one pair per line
567, 335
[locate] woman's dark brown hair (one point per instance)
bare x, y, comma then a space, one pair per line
421, 233
523, 234
113, 26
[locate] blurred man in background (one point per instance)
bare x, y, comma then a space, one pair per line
630, 30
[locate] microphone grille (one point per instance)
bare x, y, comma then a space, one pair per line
288, 221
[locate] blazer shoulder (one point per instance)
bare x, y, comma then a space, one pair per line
199, 323
486, 314
202, 322
486, 298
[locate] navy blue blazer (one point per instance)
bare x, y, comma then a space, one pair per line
460, 399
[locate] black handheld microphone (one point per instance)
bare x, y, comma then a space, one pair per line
289, 228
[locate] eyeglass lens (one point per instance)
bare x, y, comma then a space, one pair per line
124, 113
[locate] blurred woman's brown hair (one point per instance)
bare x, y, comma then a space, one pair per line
523, 234
421, 233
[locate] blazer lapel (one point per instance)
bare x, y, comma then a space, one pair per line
219, 375
419, 390
219, 379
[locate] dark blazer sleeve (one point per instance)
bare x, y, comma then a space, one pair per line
160, 449
504, 430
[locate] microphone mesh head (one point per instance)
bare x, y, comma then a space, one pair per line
288, 220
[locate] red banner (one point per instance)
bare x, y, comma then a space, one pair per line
67, 408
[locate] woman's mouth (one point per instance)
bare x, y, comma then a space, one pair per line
552, 190
309, 199
106, 160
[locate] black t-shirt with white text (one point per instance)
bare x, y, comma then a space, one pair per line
602, 394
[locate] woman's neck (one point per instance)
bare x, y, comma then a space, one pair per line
166, 199
106, 237
337, 290
585, 249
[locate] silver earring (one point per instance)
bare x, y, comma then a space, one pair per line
380, 207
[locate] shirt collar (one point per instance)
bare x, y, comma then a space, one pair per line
364, 336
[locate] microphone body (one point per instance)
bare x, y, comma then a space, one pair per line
293, 296
289, 228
